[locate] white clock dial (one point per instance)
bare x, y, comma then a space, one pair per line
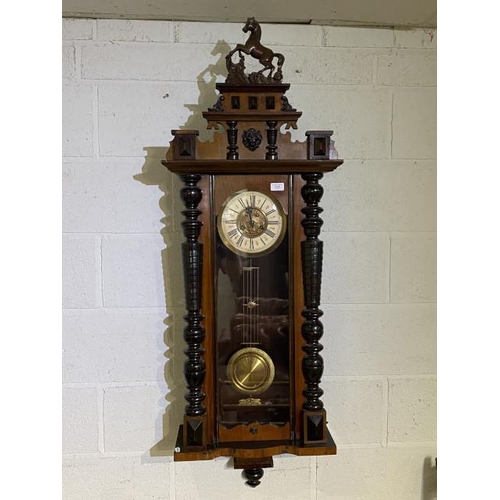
251, 222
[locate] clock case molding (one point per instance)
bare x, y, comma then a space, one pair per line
252, 153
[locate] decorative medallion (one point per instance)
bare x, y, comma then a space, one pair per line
251, 138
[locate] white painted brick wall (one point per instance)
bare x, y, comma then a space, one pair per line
80, 431
134, 31
412, 409
357, 134
77, 29
339, 36
115, 478
383, 473
81, 271
377, 339
382, 196
120, 204
360, 413
133, 262
413, 265
132, 417
125, 129
359, 268
77, 118
113, 345
126, 84
288, 479
410, 68
414, 123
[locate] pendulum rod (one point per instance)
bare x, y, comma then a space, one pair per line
250, 304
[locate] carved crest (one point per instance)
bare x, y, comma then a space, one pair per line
251, 138
253, 48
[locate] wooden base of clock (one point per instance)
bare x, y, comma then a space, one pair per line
261, 449
254, 456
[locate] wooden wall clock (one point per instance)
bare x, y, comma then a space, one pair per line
252, 262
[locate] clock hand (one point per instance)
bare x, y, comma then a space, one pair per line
248, 210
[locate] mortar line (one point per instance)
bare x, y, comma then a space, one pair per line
411, 444
375, 70
378, 377
337, 86
116, 454
387, 414
100, 418
325, 306
113, 384
314, 478
155, 233
95, 119
101, 271
392, 123
78, 62
333, 378
172, 480
99, 295
389, 266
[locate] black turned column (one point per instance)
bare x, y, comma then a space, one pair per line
232, 139
194, 332
314, 416
272, 137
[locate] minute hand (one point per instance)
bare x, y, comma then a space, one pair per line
248, 210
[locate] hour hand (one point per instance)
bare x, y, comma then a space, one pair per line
248, 210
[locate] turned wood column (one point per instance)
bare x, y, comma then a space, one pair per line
232, 139
194, 332
314, 416
272, 137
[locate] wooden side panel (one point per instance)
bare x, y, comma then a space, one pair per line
298, 237
207, 303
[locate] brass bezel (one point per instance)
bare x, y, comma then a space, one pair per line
262, 357
229, 244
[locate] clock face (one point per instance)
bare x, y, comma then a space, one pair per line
251, 223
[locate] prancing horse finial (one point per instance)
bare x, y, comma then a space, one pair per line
254, 48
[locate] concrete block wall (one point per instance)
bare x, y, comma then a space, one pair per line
126, 85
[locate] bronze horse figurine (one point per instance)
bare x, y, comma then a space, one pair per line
254, 48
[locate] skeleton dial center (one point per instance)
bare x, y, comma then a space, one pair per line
251, 222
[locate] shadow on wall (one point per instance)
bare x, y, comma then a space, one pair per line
153, 173
429, 479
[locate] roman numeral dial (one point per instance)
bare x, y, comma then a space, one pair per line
251, 222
